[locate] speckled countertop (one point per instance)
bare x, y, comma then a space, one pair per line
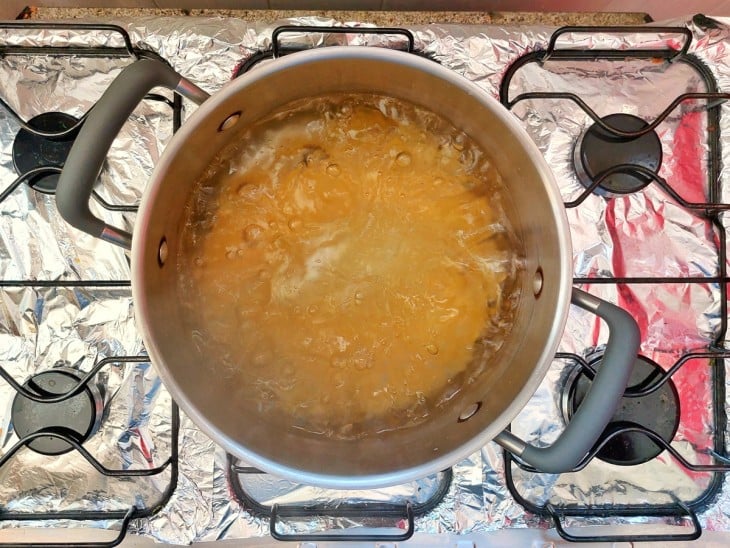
381, 18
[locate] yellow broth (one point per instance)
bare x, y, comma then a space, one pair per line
348, 265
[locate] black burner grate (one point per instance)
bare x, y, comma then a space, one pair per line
279, 50
602, 176
399, 514
39, 151
638, 171
628, 171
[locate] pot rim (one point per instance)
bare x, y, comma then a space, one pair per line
443, 461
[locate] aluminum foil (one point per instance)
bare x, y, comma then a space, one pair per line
42, 327
75, 327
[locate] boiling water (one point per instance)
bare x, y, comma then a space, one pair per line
348, 265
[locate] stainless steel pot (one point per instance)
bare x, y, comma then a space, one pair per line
483, 410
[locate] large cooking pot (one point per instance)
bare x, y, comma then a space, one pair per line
483, 410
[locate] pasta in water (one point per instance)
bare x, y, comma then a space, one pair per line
349, 264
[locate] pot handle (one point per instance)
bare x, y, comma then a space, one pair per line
97, 133
598, 405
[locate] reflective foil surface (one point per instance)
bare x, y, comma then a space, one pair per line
645, 234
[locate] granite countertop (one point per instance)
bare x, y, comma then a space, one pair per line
381, 18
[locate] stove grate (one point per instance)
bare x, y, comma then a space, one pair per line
402, 513
712, 210
39, 176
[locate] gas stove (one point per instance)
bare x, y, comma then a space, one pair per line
634, 124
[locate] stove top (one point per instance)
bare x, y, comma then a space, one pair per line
634, 124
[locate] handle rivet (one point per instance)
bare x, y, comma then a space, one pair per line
470, 411
162, 252
229, 122
537, 282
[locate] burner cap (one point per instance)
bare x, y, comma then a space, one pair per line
598, 151
31, 151
77, 417
658, 411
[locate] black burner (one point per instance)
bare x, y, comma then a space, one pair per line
77, 417
658, 411
599, 150
31, 151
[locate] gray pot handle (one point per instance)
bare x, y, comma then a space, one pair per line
99, 130
598, 405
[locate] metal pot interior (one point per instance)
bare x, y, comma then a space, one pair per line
399, 455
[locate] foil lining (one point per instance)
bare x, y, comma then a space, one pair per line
44, 327
75, 327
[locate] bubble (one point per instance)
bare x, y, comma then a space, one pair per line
286, 383
432, 349
198, 261
267, 394
287, 210
294, 224
312, 309
240, 253
245, 190
314, 155
359, 296
261, 359
363, 363
438, 181
458, 142
403, 159
252, 232
231, 254
333, 170
198, 339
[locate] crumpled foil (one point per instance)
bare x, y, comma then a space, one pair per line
643, 234
75, 327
